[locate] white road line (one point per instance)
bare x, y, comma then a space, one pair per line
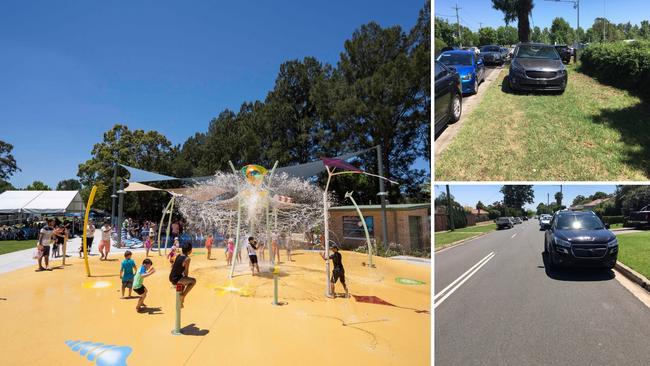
513, 235
464, 277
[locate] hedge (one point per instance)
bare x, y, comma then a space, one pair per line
623, 64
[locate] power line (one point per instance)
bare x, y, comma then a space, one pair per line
460, 41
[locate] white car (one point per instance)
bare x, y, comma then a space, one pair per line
545, 221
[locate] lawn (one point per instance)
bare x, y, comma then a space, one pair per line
591, 132
9, 246
634, 251
447, 237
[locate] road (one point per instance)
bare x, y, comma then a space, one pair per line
469, 103
509, 310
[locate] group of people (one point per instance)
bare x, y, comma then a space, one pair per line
51, 239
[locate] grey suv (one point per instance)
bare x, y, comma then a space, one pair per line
537, 66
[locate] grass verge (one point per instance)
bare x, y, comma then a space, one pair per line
634, 252
591, 132
9, 246
444, 238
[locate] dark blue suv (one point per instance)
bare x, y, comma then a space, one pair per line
579, 238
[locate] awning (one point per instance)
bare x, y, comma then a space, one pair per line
139, 175
41, 202
139, 187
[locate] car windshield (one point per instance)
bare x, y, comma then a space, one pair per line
455, 59
579, 222
490, 49
543, 52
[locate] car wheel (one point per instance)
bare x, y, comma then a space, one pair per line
551, 260
456, 108
475, 86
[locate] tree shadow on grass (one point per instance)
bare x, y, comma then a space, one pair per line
633, 123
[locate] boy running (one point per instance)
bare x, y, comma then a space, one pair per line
180, 271
338, 271
146, 270
127, 272
208, 244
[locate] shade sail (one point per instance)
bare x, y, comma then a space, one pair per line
139, 187
139, 175
41, 202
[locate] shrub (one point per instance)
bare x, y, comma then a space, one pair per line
613, 219
623, 64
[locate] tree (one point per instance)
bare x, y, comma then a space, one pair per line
68, 185
561, 32
506, 35
516, 9
444, 31
148, 150
7, 161
480, 206
578, 200
536, 36
6, 186
546, 35
558, 198
487, 35
644, 29
633, 198
515, 196
37, 185
598, 195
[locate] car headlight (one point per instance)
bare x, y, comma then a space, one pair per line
497, 56
466, 77
613, 243
562, 72
562, 243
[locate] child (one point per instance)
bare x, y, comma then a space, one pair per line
230, 249
105, 243
127, 271
174, 250
180, 271
59, 238
146, 270
251, 247
208, 244
147, 245
275, 247
90, 235
338, 271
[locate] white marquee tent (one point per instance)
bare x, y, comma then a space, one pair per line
41, 202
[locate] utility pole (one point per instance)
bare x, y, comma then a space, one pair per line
604, 15
449, 210
460, 40
382, 196
480, 25
548, 197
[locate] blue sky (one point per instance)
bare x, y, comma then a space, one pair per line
70, 70
617, 11
469, 195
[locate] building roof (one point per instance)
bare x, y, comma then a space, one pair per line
41, 202
401, 206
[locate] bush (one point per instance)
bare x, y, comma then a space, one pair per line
623, 64
613, 219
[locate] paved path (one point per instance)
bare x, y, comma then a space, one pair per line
513, 311
469, 103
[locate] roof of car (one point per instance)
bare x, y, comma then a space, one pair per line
577, 213
534, 44
459, 52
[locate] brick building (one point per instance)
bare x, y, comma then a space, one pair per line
408, 224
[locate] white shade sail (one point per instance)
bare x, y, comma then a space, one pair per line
41, 202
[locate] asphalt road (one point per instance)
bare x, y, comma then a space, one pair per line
512, 311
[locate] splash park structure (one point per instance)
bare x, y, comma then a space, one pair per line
281, 317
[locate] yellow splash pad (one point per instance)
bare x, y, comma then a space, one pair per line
387, 323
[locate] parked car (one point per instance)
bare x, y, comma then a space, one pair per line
565, 52
449, 48
448, 96
504, 223
469, 67
518, 220
639, 218
491, 54
545, 221
525, 218
537, 66
580, 238
505, 54
476, 51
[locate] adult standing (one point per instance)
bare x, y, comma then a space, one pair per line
44, 240
59, 238
90, 236
105, 243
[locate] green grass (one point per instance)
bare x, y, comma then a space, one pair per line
616, 226
445, 238
9, 246
591, 132
634, 252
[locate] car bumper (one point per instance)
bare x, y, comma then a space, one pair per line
522, 82
468, 86
492, 61
565, 256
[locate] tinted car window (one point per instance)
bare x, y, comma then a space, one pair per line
490, 49
579, 222
455, 59
528, 51
439, 71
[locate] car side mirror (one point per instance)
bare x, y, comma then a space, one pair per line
479, 62
607, 226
